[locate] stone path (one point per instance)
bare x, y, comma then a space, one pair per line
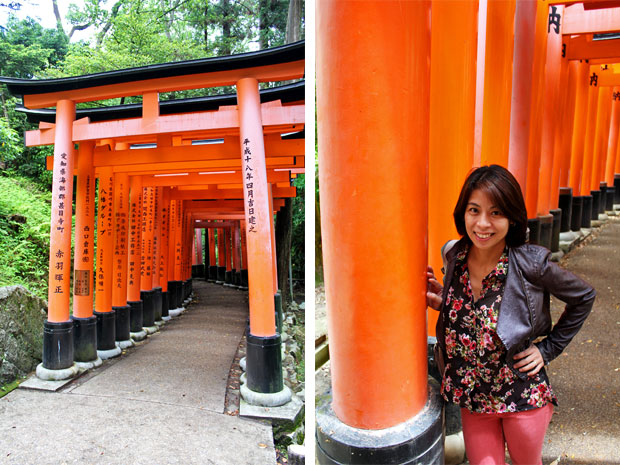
160, 403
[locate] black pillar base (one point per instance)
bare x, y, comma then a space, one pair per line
187, 288
603, 199
534, 226
419, 440
57, 345
556, 228
165, 304
596, 204
565, 204
221, 274
198, 271
84, 339
617, 188
244, 278
546, 226
228, 277
576, 213
157, 303
586, 212
136, 319
264, 364
174, 294
277, 304
148, 308
212, 273
106, 330
123, 322
237, 279
609, 199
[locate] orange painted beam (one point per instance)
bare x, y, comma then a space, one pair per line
208, 178
584, 48
134, 252
579, 21
83, 295
211, 124
105, 242
61, 218
611, 79
121, 229
279, 72
497, 82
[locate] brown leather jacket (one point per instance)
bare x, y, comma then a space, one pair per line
524, 311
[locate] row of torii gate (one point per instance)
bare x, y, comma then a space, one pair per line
166, 169
410, 96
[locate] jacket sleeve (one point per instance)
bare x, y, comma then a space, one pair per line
579, 298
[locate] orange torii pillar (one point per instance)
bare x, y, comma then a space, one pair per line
228, 256
84, 322
579, 215
175, 286
134, 259
155, 265
147, 293
104, 279
612, 150
244, 256
383, 407
198, 267
186, 254
588, 151
58, 328
236, 255
212, 276
265, 384
122, 310
600, 150
163, 252
453, 57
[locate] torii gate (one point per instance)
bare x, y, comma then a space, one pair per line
152, 161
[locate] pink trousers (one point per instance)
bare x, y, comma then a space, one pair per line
524, 432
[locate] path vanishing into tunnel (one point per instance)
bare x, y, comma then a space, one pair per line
160, 402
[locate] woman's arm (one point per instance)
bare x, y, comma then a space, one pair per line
434, 290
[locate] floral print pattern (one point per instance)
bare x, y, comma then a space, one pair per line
476, 375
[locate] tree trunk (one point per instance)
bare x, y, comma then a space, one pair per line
58, 18
206, 26
293, 22
263, 7
284, 218
226, 19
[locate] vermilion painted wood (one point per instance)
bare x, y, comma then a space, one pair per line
228, 248
588, 151
244, 245
579, 126
373, 221
134, 252
121, 230
579, 21
165, 239
497, 82
83, 292
236, 247
60, 223
104, 278
453, 72
272, 228
612, 143
157, 237
601, 137
582, 47
211, 232
178, 241
258, 212
172, 226
214, 193
279, 72
148, 215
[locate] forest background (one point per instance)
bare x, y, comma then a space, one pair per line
121, 34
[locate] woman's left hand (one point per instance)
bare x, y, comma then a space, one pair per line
530, 360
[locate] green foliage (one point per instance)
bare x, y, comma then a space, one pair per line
298, 233
11, 145
24, 234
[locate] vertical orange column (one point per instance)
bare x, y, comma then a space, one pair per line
523, 79
163, 251
106, 320
146, 280
58, 328
84, 233
497, 82
601, 137
178, 241
272, 228
172, 239
236, 256
156, 282
612, 144
228, 243
257, 213
453, 72
371, 189
588, 151
579, 125
244, 255
480, 67
212, 262
134, 258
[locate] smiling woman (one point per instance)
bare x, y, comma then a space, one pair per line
494, 305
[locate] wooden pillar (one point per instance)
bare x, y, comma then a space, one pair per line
497, 82
453, 72
134, 257
579, 125
601, 137
147, 293
212, 261
156, 281
228, 243
163, 251
378, 341
612, 144
588, 152
84, 322
244, 254
58, 328
236, 255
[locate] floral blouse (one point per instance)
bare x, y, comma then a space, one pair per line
476, 375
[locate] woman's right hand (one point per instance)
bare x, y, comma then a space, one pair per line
434, 290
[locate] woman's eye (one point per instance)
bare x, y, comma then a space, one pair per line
472, 210
497, 213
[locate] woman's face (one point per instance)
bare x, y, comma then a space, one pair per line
486, 224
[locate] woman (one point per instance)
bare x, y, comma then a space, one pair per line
494, 308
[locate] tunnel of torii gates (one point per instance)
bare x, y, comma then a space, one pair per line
432, 90
165, 170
